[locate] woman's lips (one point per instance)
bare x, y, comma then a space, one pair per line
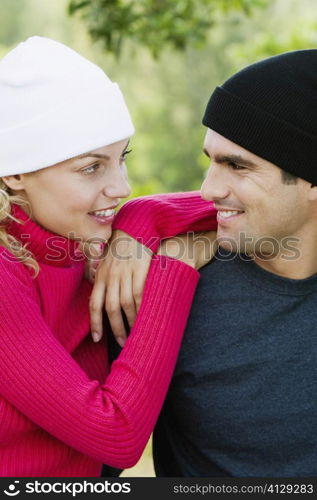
102, 219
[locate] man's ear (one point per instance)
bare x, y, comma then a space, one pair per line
312, 194
14, 182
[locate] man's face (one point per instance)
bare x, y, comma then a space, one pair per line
256, 210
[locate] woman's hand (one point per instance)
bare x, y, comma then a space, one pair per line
194, 249
121, 274
119, 282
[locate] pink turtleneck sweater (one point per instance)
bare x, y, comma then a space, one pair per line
62, 412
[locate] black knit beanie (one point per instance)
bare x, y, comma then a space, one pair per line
270, 109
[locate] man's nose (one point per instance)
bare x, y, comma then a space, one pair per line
215, 186
116, 184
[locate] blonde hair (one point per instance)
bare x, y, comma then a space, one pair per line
7, 240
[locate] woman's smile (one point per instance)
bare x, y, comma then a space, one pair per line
104, 217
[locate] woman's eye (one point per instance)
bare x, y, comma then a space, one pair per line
91, 170
123, 156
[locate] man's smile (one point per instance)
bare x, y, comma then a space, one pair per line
226, 214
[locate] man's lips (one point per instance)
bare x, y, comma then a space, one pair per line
228, 207
228, 214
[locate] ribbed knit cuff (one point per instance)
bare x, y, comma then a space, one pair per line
168, 295
140, 376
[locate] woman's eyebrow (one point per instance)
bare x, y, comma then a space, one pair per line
94, 155
97, 155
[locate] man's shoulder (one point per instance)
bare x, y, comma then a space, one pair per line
226, 264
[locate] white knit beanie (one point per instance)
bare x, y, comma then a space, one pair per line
54, 105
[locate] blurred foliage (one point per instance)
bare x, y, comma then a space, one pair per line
155, 24
167, 97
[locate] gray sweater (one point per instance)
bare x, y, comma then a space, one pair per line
243, 400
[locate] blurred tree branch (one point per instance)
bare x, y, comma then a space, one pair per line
154, 24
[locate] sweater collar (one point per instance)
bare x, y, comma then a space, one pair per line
47, 247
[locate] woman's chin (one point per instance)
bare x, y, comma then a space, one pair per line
98, 236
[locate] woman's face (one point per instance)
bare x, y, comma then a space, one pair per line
77, 198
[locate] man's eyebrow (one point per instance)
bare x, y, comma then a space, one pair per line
206, 152
234, 159
231, 159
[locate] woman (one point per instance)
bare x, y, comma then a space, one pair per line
64, 132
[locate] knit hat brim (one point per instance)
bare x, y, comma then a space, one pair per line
262, 133
108, 121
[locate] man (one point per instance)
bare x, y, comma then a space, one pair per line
242, 401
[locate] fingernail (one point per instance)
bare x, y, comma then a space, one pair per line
121, 341
95, 336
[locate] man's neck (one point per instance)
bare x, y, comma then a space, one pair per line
299, 263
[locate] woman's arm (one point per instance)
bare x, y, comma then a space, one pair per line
42, 380
120, 278
150, 219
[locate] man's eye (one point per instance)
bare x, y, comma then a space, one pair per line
234, 166
123, 156
91, 170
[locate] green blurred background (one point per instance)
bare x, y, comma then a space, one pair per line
167, 59
167, 95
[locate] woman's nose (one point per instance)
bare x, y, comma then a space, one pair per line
117, 185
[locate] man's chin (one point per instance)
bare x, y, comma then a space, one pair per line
240, 242
228, 244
